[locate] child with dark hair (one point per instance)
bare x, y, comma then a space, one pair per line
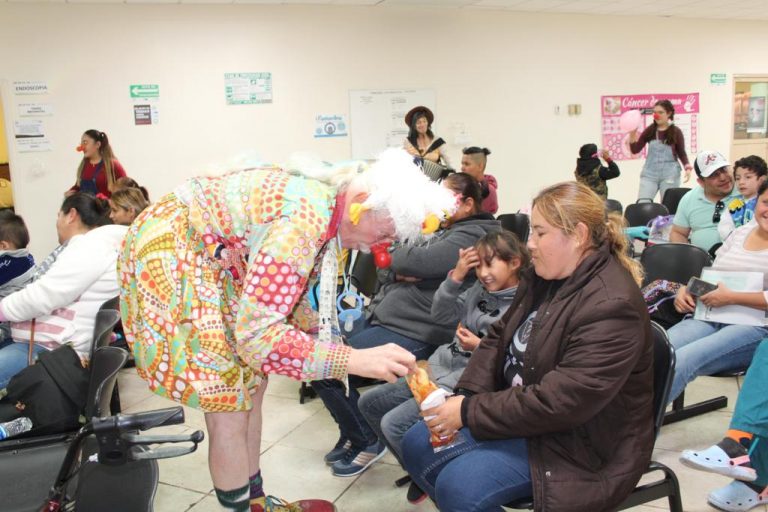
591, 172
497, 259
473, 162
17, 266
748, 173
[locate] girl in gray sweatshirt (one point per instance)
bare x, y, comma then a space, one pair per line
497, 259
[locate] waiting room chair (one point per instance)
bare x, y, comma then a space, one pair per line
518, 223
364, 276
668, 487
672, 198
673, 262
680, 411
678, 263
613, 205
641, 213
107, 319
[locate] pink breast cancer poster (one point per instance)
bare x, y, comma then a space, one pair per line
617, 142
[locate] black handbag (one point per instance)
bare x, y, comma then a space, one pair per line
52, 392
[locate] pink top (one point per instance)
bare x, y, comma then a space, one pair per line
490, 203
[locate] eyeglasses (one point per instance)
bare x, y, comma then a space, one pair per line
719, 206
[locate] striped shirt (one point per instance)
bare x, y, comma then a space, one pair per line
733, 256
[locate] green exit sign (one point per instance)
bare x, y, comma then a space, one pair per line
717, 78
145, 91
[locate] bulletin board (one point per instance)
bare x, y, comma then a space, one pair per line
377, 118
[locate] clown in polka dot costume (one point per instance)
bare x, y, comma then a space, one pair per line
214, 281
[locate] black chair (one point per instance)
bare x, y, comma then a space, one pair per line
612, 205
673, 262
106, 320
518, 223
667, 487
672, 198
113, 303
641, 213
364, 275
678, 263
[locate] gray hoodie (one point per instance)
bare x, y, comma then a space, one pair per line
406, 308
476, 309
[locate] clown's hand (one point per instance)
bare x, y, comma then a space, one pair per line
387, 362
639, 232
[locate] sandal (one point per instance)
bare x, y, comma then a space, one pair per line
715, 460
737, 497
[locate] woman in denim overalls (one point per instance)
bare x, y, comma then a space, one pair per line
99, 169
665, 147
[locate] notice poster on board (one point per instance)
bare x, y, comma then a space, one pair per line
377, 118
248, 88
617, 142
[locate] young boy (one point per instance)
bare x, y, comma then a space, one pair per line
749, 172
16, 264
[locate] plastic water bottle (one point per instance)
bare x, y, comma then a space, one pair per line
15, 427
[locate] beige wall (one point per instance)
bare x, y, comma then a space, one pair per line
500, 73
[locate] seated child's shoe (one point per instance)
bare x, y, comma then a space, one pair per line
356, 461
715, 460
273, 504
338, 452
737, 497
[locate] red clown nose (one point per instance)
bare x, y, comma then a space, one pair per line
655, 116
381, 257
80, 148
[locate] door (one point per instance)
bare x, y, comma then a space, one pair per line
750, 124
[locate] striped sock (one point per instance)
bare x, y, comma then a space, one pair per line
235, 500
256, 487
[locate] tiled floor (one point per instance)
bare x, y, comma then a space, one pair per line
296, 437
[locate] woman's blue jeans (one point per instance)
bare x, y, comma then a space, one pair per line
13, 359
474, 476
707, 348
343, 408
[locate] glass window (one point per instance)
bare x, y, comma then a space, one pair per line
749, 110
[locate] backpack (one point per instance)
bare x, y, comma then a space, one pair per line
52, 392
659, 296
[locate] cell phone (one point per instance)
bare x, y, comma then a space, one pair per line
698, 287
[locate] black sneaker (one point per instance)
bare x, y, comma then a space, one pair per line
356, 460
338, 452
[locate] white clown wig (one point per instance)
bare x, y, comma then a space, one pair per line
395, 184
